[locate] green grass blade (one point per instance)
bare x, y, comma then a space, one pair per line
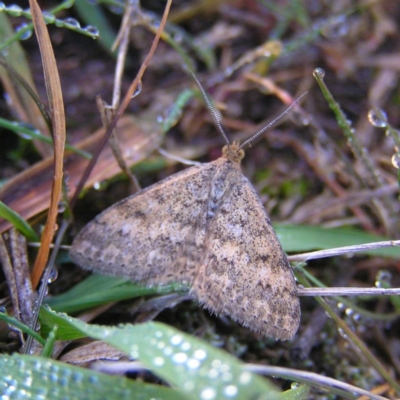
303, 238
19, 223
100, 289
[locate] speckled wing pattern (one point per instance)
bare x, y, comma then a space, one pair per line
155, 236
205, 227
246, 274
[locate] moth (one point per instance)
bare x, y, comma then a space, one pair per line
204, 227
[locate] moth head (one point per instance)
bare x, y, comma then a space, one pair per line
233, 152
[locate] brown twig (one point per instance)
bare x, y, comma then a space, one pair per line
54, 95
133, 87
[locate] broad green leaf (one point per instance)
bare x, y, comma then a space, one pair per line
185, 362
33, 377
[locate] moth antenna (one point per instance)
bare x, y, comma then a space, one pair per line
270, 124
214, 112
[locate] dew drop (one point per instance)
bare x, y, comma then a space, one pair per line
342, 333
200, 354
377, 117
230, 391
177, 37
176, 339
179, 358
53, 275
54, 368
158, 361
185, 346
244, 378
23, 126
155, 23
63, 382
77, 377
294, 385
336, 28
134, 351
92, 30
66, 373
8, 391
212, 373
226, 377
61, 206
383, 279
228, 71
27, 31
116, 10
208, 394
225, 368
396, 160
137, 90
193, 363
72, 22
168, 351
48, 17
356, 317
349, 312
319, 73
14, 10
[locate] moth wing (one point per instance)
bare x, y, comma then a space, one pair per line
246, 274
155, 236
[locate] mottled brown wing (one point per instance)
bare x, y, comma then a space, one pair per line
246, 274
156, 236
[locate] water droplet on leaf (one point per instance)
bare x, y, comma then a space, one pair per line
92, 30
319, 73
377, 117
396, 160
14, 10
27, 31
72, 22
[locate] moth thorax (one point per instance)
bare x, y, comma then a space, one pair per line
233, 152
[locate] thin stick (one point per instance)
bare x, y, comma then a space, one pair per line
123, 105
347, 291
337, 251
311, 378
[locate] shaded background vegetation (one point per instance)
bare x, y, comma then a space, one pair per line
305, 170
